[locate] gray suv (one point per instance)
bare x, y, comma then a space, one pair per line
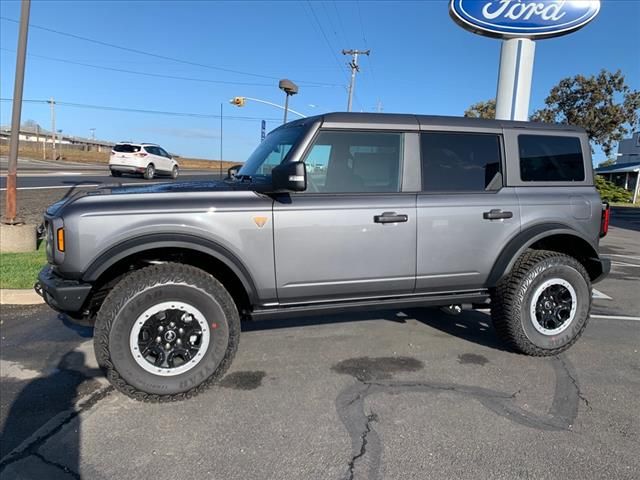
338, 212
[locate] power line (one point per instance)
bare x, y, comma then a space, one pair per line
140, 110
146, 74
163, 57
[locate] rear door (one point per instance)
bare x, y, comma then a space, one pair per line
352, 234
465, 213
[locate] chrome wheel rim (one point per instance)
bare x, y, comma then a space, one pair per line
553, 306
169, 338
150, 171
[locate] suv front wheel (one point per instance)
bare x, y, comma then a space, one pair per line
542, 307
166, 332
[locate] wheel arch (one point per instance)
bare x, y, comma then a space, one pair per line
555, 237
199, 252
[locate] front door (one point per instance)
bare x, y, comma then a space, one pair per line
352, 234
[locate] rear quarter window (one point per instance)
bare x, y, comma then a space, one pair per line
547, 158
126, 148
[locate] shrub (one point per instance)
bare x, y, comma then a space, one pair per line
609, 192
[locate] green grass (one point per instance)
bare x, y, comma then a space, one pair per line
20, 270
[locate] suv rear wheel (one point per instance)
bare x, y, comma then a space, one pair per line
166, 332
542, 307
150, 171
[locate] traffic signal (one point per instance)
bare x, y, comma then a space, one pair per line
237, 101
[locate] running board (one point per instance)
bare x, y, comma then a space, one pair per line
434, 300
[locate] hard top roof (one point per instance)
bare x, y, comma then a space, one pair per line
403, 120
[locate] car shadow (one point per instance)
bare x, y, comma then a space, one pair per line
471, 325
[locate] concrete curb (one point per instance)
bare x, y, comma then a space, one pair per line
19, 297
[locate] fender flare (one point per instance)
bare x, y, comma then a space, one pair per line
139, 244
518, 244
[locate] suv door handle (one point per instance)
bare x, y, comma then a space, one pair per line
390, 217
496, 214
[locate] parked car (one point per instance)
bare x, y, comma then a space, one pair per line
406, 211
146, 159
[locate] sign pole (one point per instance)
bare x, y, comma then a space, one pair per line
12, 167
514, 79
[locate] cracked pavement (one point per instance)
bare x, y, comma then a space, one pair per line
409, 394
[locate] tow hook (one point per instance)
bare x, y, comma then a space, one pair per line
38, 288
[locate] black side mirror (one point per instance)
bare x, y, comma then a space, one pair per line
290, 176
233, 171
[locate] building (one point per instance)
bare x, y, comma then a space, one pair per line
36, 134
625, 172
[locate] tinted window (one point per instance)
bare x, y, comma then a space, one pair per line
353, 162
545, 158
152, 150
126, 148
163, 152
460, 162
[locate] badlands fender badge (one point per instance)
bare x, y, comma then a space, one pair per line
260, 221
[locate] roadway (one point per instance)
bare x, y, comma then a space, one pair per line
40, 174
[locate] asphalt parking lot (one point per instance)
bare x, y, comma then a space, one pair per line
398, 394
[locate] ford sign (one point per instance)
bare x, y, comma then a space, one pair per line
523, 18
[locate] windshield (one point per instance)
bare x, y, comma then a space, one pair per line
271, 152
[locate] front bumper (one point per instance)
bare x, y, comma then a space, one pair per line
61, 294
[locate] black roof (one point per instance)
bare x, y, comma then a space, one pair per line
403, 119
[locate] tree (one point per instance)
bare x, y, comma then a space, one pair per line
482, 110
602, 104
607, 162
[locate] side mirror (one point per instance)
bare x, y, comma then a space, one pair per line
233, 171
290, 176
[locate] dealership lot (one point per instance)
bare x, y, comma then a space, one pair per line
395, 394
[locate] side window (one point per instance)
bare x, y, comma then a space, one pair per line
151, 150
163, 152
546, 158
354, 162
460, 162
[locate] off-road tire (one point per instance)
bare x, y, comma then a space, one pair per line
512, 297
149, 172
146, 287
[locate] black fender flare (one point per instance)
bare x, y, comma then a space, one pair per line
139, 244
523, 240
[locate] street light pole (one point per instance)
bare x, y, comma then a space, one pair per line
289, 88
12, 167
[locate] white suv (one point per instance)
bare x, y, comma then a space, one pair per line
147, 159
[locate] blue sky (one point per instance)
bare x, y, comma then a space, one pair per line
421, 62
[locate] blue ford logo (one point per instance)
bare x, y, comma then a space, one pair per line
523, 18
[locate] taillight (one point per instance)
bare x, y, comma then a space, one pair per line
141, 154
604, 219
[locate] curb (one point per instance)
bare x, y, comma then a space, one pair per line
24, 296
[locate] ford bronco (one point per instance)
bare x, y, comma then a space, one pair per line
337, 212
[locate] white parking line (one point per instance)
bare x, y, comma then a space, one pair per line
624, 264
599, 295
619, 255
616, 317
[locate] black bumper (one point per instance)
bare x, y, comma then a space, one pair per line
599, 268
61, 294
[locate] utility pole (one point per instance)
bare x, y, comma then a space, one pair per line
12, 167
52, 102
220, 140
353, 64
93, 133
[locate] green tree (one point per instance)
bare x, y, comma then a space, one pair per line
482, 110
607, 162
602, 104
609, 192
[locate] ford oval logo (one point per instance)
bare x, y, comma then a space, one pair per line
523, 18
